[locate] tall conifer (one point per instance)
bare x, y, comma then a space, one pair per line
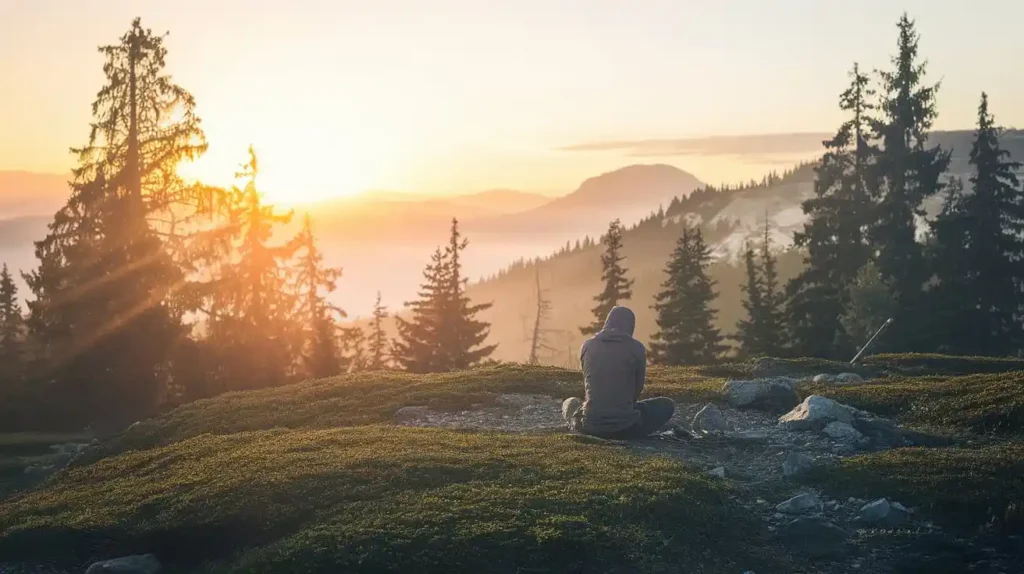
617, 288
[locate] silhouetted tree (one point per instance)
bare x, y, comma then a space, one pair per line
12, 324
834, 235
103, 315
321, 355
538, 339
616, 287
748, 329
909, 173
377, 353
979, 239
462, 335
870, 305
251, 303
417, 348
353, 347
686, 333
773, 316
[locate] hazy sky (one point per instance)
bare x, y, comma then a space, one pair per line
454, 95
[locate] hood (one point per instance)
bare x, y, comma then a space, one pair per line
619, 325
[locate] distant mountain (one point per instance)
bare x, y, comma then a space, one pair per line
25, 193
730, 218
629, 194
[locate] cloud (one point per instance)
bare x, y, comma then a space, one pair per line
760, 146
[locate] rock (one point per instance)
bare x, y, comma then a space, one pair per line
815, 413
773, 395
718, 471
824, 378
848, 379
814, 537
844, 449
748, 435
768, 367
881, 513
710, 419
800, 504
138, 564
409, 413
842, 432
796, 463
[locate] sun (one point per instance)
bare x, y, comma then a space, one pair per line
286, 177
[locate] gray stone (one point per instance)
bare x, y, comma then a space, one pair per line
882, 513
814, 537
842, 432
773, 395
844, 449
800, 504
824, 378
796, 463
410, 413
849, 379
137, 564
748, 435
718, 472
815, 413
710, 419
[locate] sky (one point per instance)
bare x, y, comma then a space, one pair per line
451, 96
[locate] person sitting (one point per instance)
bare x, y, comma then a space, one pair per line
614, 371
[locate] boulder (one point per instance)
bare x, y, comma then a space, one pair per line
848, 379
138, 564
885, 433
842, 432
710, 419
815, 537
824, 378
773, 395
718, 472
883, 513
844, 449
796, 463
801, 504
815, 413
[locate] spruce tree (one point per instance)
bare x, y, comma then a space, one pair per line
353, 347
871, 304
616, 287
834, 237
909, 172
462, 335
772, 299
103, 313
321, 355
979, 239
686, 332
250, 298
748, 329
417, 349
12, 344
377, 353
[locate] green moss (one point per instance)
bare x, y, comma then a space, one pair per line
389, 498
912, 364
980, 403
965, 486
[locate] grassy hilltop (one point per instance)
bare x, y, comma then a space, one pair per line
315, 477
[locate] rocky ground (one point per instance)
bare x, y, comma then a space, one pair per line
763, 454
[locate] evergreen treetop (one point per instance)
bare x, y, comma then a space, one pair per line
617, 288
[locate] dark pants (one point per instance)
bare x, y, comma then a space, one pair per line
654, 413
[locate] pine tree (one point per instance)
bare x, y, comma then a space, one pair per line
12, 344
909, 173
462, 335
250, 300
979, 238
748, 329
321, 357
103, 314
834, 236
416, 349
871, 304
616, 287
353, 346
686, 333
773, 316
377, 354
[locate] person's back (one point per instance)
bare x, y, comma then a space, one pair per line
614, 371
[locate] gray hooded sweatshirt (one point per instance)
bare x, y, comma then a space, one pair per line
614, 368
